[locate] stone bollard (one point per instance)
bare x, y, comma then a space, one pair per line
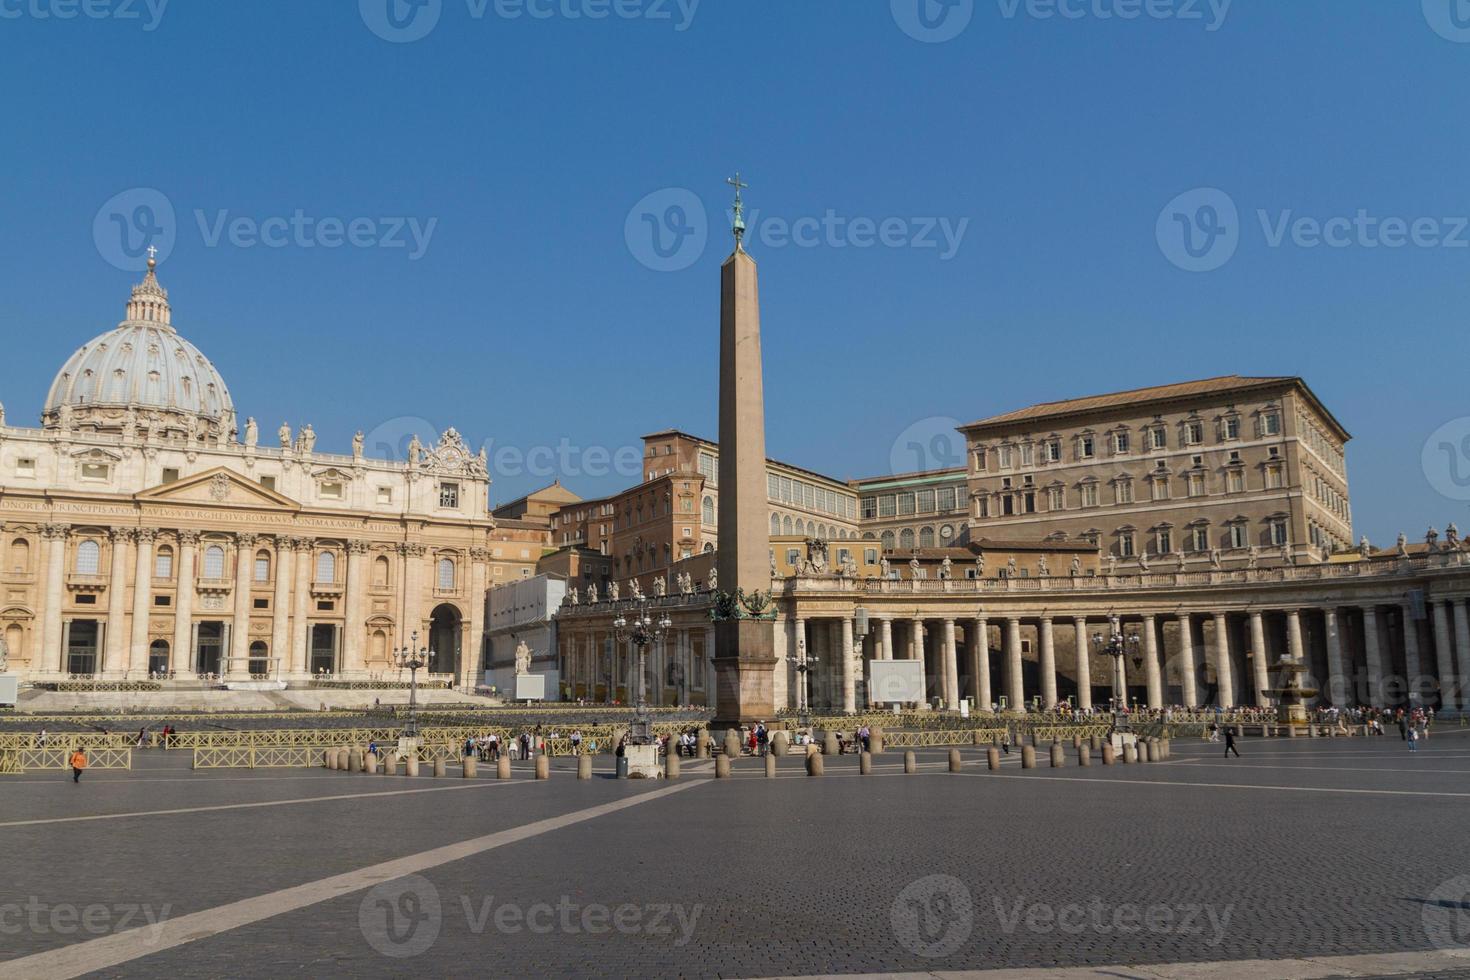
1028, 757
1097, 743
1058, 758
1165, 749
722, 767
1291, 731
770, 767
829, 744
370, 764
780, 742
502, 766
865, 763
412, 767
1076, 741
992, 759
815, 764
1311, 731
875, 739
1265, 730
543, 767
1151, 751
1109, 754
910, 763
584, 766
344, 760
329, 759
731, 744
671, 765
1130, 753
354, 760
1084, 755
701, 744
956, 764
390, 764
470, 767
977, 738
440, 768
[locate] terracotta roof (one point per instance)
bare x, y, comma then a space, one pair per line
1136, 396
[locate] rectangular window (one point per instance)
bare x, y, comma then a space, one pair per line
793, 557
1123, 492
947, 499
1054, 497
94, 471
1196, 485
1273, 477
1271, 424
1166, 541
887, 506
905, 503
1194, 433
1278, 533
163, 565
25, 468
162, 600
1237, 535
870, 556
170, 474
1158, 438
1199, 539
708, 469
1125, 544
1160, 486
1089, 495
870, 508
925, 501
262, 569
1086, 448
1052, 451
1235, 479
261, 603
980, 460
1027, 455
1232, 428
449, 496
1120, 443
385, 495
984, 507
1030, 502
1003, 457
773, 486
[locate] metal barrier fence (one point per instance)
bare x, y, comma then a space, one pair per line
60, 758
68, 740
926, 739
10, 762
1061, 733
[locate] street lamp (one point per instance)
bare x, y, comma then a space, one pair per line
644, 631
804, 666
414, 658
1118, 645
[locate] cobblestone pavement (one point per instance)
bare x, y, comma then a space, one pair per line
1303, 848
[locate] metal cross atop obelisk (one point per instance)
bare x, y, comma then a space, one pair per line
739, 186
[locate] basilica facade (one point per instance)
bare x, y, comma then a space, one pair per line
148, 532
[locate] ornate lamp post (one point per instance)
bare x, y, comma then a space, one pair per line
414, 658
644, 631
804, 667
1118, 645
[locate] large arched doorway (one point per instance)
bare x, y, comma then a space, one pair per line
259, 659
157, 658
444, 640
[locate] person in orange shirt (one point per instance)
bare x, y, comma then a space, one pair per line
78, 763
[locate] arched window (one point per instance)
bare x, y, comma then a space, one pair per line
926, 537
380, 572
800, 527
326, 568
820, 532
20, 555
906, 539
708, 510
163, 562
775, 524
214, 562
446, 574
786, 525
89, 558
262, 566
887, 541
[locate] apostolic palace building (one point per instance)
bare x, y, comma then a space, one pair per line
149, 534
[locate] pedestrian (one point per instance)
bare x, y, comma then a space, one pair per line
1230, 742
763, 736
1412, 737
78, 763
41, 739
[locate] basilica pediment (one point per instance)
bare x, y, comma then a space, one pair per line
218, 487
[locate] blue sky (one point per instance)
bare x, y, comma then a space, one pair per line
534, 311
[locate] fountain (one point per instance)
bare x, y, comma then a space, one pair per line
1291, 695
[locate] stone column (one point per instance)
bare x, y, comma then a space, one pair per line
1294, 635
238, 667
1153, 677
281, 608
52, 655
1223, 669
1339, 684
1260, 658
182, 658
1084, 664
980, 651
1372, 653
886, 639
799, 646
473, 662
849, 666
1412, 666
142, 601
301, 609
1444, 657
115, 663
1188, 662
1048, 665
951, 668
353, 662
916, 652
708, 666
1015, 680
1462, 646
413, 588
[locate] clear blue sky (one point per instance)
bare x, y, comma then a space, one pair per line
529, 318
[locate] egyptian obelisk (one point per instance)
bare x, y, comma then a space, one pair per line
745, 657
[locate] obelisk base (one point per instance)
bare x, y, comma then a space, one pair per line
745, 673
